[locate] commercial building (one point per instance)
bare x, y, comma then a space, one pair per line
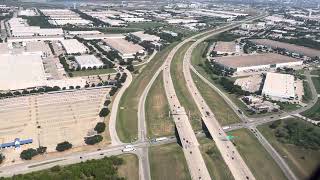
140, 36
83, 32
101, 36
289, 47
35, 38
73, 46
279, 86
226, 48
256, 62
125, 49
88, 61
63, 17
19, 27
21, 71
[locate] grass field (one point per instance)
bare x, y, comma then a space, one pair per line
127, 118
256, 157
316, 82
130, 167
302, 161
316, 72
157, 111
216, 166
92, 72
313, 112
307, 92
167, 162
182, 90
225, 115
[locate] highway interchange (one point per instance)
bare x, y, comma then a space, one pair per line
188, 138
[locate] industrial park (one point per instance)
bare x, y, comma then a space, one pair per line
144, 90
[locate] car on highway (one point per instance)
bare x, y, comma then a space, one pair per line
128, 148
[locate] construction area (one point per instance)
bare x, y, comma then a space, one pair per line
49, 119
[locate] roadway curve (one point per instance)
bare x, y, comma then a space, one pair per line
115, 140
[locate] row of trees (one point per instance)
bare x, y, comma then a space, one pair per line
105, 168
229, 86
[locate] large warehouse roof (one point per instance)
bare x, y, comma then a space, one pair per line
290, 47
73, 46
145, 37
88, 61
254, 60
21, 71
225, 46
123, 46
279, 85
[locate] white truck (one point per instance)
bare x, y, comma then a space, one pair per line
226, 127
128, 148
161, 139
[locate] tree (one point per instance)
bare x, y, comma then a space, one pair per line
275, 124
107, 102
63, 146
2, 157
28, 154
130, 68
93, 139
104, 112
100, 127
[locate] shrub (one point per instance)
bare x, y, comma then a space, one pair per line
2, 157
63, 146
107, 102
104, 112
28, 154
100, 127
93, 139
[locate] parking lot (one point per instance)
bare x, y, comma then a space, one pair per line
49, 119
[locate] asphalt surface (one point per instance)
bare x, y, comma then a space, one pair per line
229, 153
115, 140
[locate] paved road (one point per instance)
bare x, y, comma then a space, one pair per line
35, 165
149, 59
252, 123
115, 140
229, 153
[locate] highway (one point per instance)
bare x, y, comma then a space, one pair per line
188, 139
229, 153
252, 123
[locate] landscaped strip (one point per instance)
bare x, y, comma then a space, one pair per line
157, 111
214, 161
256, 157
222, 111
168, 162
127, 118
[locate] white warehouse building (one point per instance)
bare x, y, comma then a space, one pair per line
257, 62
88, 61
279, 86
73, 46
